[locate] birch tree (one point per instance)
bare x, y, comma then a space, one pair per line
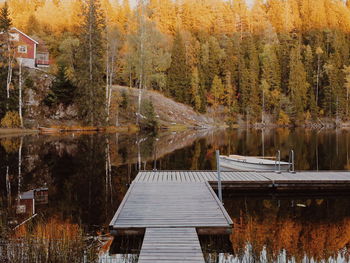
112, 36
148, 56
20, 169
20, 83
141, 62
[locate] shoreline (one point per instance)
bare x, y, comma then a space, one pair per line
15, 131
8, 132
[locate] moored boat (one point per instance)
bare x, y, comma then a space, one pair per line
49, 130
250, 163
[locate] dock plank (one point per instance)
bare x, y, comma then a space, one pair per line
171, 245
247, 177
170, 204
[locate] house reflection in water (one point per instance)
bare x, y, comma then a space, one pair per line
29, 201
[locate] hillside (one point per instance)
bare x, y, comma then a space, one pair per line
169, 113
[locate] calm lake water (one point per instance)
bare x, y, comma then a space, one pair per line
82, 178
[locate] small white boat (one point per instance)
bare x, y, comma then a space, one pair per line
248, 163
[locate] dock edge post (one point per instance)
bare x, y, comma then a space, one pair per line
219, 176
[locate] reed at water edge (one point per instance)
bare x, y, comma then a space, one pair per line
52, 241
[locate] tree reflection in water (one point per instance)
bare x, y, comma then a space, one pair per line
87, 176
290, 228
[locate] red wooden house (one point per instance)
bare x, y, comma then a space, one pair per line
32, 52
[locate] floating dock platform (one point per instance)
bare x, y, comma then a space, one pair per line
171, 208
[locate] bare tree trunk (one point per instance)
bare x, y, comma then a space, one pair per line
139, 102
347, 102
20, 94
20, 167
117, 118
9, 70
107, 75
111, 54
8, 186
139, 163
109, 179
263, 108
90, 63
130, 80
141, 66
107, 169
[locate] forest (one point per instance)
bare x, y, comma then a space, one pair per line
276, 61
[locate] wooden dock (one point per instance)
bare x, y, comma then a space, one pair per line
171, 245
172, 207
254, 180
170, 204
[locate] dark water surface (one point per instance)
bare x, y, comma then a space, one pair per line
87, 176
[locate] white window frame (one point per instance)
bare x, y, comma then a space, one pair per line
22, 49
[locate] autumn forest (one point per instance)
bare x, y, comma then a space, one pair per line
284, 62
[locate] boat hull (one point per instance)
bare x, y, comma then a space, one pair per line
240, 165
49, 130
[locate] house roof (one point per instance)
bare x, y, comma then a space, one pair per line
27, 195
19, 31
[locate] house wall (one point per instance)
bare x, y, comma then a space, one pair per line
27, 62
42, 59
31, 46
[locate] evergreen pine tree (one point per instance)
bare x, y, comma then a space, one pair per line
204, 71
333, 93
195, 90
230, 95
250, 79
5, 20
312, 107
271, 70
215, 59
270, 79
7, 58
309, 68
244, 89
179, 81
216, 93
309, 64
62, 90
284, 60
90, 70
298, 85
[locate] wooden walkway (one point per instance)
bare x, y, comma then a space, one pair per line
169, 204
253, 180
165, 245
172, 207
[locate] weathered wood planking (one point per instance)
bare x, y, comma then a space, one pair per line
167, 204
167, 245
199, 176
172, 205
325, 177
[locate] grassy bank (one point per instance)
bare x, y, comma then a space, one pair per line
109, 129
5, 132
52, 241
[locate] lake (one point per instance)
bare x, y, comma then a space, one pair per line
80, 179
